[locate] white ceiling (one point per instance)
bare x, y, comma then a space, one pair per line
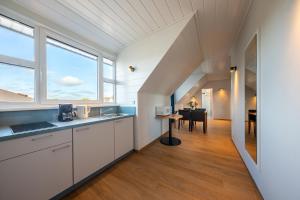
115, 24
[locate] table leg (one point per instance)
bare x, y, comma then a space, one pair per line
170, 141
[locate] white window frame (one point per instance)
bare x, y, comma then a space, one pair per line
22, 63
44, 33
107, 80
41, 32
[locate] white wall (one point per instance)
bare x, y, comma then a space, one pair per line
189, 83
148, 127
182, 103
163, 62
144, 55
278, 171
221, 98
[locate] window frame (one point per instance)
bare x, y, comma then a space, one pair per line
41, 32
23, 63
107, 80
44, 33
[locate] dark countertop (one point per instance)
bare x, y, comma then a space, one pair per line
7, 134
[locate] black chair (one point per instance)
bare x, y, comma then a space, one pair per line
186, 116
201, 109
199, 115
252, 118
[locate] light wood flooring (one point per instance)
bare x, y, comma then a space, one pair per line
203, 167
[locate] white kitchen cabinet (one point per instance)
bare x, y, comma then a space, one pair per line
93, 148
20, 146
123, 136
37, 176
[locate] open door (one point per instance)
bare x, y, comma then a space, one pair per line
207, 99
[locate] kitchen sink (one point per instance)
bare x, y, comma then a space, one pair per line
31, 126
113, 115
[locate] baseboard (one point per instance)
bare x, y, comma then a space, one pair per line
222, 119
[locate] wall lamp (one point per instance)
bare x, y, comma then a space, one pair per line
233, 68
131, 68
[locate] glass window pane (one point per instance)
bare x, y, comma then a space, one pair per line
16, 39
70, 75
108, 94
108, 71
17, 83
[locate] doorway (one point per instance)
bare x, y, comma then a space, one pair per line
207, 100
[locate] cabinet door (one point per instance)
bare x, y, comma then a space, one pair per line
93, 148
37, 176
123, 136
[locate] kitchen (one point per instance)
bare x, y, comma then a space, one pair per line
149, 99
61, 157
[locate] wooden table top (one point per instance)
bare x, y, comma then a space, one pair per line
252, 113
172, 116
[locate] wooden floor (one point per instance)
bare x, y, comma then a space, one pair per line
202, 167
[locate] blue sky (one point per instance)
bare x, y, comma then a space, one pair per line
71, 76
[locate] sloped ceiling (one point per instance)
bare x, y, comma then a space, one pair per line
190, 82
145, 55
199, 85
115, 24
177, 64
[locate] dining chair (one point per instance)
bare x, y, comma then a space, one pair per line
199, 115
186, 116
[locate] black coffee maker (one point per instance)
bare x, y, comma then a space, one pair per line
65, 112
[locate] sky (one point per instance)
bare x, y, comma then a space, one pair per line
70, 76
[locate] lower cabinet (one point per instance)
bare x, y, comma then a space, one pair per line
37, 176
93, 148
40, 167
123, 136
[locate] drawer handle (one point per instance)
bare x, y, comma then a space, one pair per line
118, 121
60, 148
83, 129
40, 138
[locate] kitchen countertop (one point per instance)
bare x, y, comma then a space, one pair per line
7, 134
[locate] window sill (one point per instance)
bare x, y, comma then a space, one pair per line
12, 108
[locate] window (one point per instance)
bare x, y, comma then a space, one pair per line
109, 81
17, 69
16, 39
17, 83
108, 91
72, 74
61, 71
108, 69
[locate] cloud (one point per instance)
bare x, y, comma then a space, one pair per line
70, 81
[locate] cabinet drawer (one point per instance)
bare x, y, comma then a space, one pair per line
17, 147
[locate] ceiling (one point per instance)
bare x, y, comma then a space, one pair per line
115, 24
